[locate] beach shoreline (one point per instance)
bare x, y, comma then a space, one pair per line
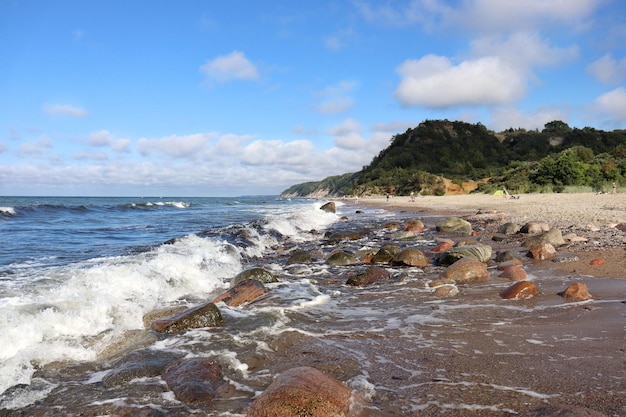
591, 217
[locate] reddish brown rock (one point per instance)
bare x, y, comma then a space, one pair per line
514, 273
597, 262
507, 264
576, 292
410, 257
414, 226
204, 315
520, 290
194, 381
302, 391
542, 252
466, 270
446, 290
329, 207
244, 292
534, 227
442, 247
371, 275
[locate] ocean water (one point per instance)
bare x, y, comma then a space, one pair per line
78, 275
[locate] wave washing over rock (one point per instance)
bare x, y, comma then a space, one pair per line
407, 340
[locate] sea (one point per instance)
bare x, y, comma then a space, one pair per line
78, 276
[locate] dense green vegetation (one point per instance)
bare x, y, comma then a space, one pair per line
523, 161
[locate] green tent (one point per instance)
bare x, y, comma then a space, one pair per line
499, 192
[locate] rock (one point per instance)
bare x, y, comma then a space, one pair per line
520, 290
552, 237
514, 273
347, 235
507, 264
534, 227
329, 207
414, 226
446, 290
621, 227
542, 252
509, 228
565, 257
506, 255
341, 258
302, 391
194, 381
442, 247
597, 262
300, 257
466, 270
391, 225
259, 274
143, 363
371, 275
386, 254
204, 315
479, 252
410, 257
454, 225
576, 292
244, 292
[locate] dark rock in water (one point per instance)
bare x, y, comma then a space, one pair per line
194, 381
454, 225
302, 391
506, 255
507, 264
341, 258
410, 257
244, 292
565, 257
534, 227
553, 237
371, 275
542, 252
391, 225
204, 315
386, 254
260, 274
329, 207
351, 235
466, 270
446, 290
300, 257
564, 411
576, 292
479, 252
521, 290
139, 364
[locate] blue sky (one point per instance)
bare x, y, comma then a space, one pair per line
226, 98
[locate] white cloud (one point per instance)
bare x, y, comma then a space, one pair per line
64, 110
608, 70
335, 105
436, 82
175, 146
35, 149
234, 66
277, 153
104, 138
613, 104
336, 98
89, 156
3, 147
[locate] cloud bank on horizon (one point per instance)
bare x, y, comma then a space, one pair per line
245, 97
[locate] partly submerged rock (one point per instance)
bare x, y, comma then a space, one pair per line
466, 270
194, 381
329, 207
479, 252
371, 275
204, 315
576, 292
410, 257
520, 290
262, 275
243, 292
342, 258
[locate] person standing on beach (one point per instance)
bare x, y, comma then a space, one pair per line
614, 190
412, 196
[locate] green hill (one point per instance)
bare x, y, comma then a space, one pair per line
525, 161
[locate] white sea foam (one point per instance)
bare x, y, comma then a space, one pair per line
7, 210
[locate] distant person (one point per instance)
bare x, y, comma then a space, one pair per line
412, 196
614, 190
505, 192
387, 197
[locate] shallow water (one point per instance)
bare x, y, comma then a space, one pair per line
403, 350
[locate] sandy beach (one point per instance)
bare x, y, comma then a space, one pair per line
592, 217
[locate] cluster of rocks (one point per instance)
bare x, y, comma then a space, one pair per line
460, 256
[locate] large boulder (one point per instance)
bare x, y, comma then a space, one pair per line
194, 381
371, 275
302, 391
329, 207
142, 363
454, 225
410, 257
480, 252
466, 270
204, 315
341, 258
243, 292
386, 254
553, 237
262, 275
